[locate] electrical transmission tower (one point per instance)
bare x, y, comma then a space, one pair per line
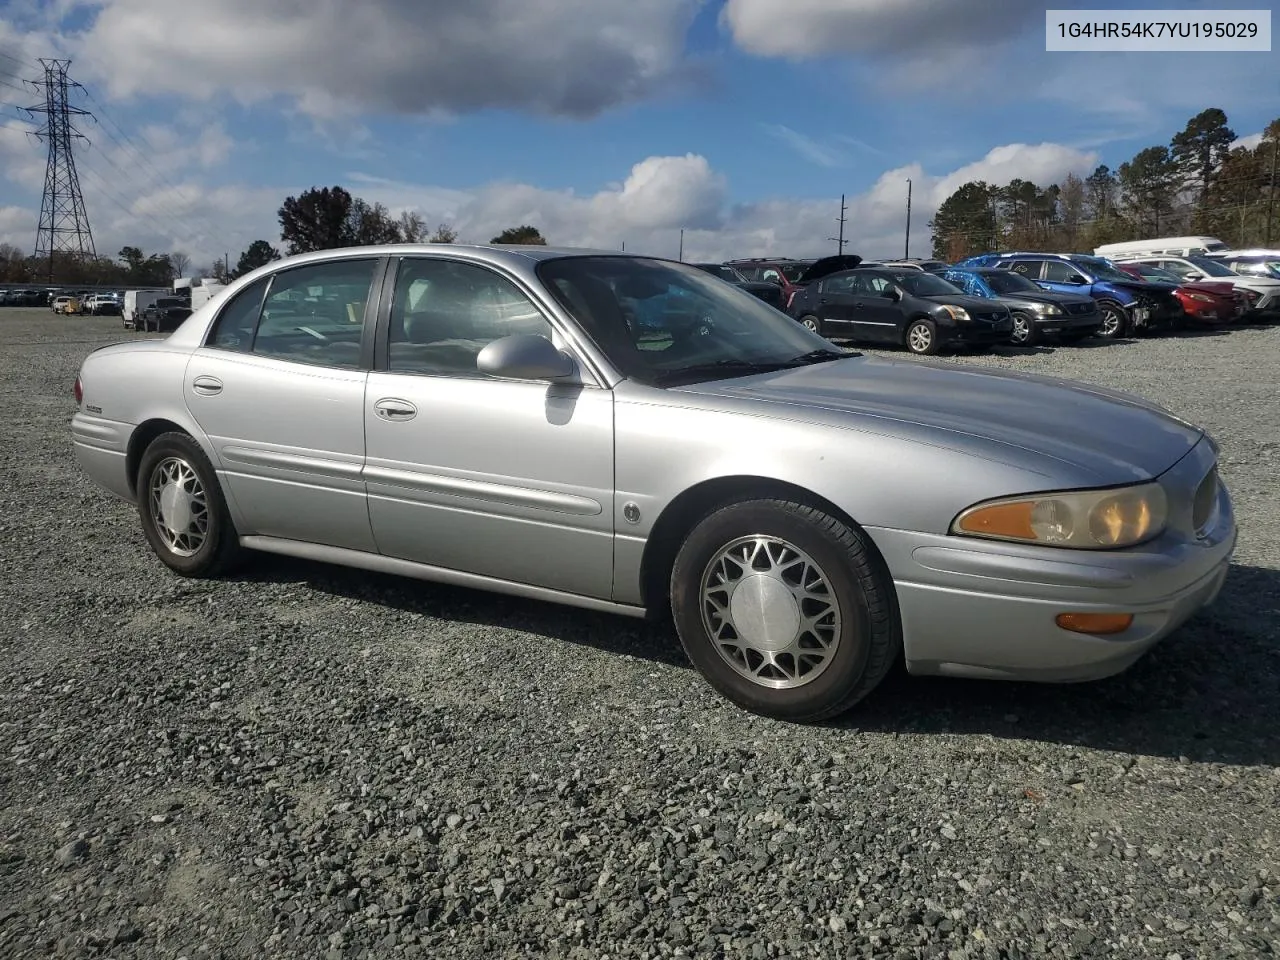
64, 224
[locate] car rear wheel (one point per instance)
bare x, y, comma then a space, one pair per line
1115, 323
184, 515
922, 337
810, 322
1024, 333
784, 609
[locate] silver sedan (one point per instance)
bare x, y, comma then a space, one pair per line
634, 435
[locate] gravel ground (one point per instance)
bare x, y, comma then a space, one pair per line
305, 762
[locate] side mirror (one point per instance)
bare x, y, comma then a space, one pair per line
525, 356
892, 294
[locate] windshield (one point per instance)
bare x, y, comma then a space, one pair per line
1156, 274
1211, 268
663, 323
1102, 269
920, 284
723, 272
1006, 281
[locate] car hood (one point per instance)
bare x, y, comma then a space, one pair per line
1252, 283
1114, 437
1218, 288
1026, 299
972, 304
1147, 287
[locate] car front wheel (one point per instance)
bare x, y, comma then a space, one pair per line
1024, 330
784, 609
183, 513
1115, 323
922, 337
810, 322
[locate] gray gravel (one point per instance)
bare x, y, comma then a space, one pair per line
306, 762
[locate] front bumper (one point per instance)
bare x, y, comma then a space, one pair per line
1068, 323
983, 333
971, 608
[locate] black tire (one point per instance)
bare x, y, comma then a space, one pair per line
1115, 322
869, 637
1024, 333
812, 323
220, 546
921, 338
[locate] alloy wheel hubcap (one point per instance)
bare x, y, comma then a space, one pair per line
1110, 323
1020, 329
811, 325
179, 507
920, 338
770, 612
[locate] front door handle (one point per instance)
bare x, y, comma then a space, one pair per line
392, 408
207, 386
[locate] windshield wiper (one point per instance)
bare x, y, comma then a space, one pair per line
729, 367
822, 355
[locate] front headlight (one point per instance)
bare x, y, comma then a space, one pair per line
1047, 309
1199, 298
1080, 520
958, 314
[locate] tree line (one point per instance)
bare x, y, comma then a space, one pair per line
324, 218
320, 218
1197, 184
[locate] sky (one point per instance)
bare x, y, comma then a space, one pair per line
603, 123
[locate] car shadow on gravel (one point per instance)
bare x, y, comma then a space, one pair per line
612, 633
1208, 693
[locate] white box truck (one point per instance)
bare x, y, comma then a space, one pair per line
135, 301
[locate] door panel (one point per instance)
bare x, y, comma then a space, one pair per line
290, 444
877, 317
501, 478
280, 391
836, 304
511, 479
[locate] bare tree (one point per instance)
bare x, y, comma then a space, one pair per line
179, 261
444, 234
413, 228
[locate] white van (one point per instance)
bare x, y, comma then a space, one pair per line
135, 301
1162, 247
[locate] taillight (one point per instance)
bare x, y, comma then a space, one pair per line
79, 388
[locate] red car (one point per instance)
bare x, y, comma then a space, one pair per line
1203, 301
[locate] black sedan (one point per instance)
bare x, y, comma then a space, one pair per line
918, 310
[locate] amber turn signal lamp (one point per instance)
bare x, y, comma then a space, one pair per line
1098, 624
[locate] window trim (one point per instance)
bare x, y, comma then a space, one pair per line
367, 322
380, 345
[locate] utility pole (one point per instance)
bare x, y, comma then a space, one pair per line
64, 224
840, 220
906, 249
681, 256
1271, 194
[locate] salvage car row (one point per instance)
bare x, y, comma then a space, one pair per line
1022, 298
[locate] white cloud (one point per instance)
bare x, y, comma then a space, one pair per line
1251, 142
646, 210
402, 56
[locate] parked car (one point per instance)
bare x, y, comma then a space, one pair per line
1250, 263
1128, 305
909, 308
1203, 302
135, 302
784, 273
164, 315
1162, 246
65, 305
1266, 303
102, 304
770, 293
808, 516
1037, 312
928, 266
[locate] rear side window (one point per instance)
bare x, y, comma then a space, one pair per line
1028, 268
233, 330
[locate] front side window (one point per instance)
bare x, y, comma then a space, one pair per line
1026, 268
662, 323
315, 314
444, 312
841, 284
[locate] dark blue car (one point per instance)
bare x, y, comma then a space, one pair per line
1128, 305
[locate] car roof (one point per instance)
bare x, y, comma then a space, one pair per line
494, 253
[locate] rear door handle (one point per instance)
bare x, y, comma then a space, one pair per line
206, 386
391, 408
